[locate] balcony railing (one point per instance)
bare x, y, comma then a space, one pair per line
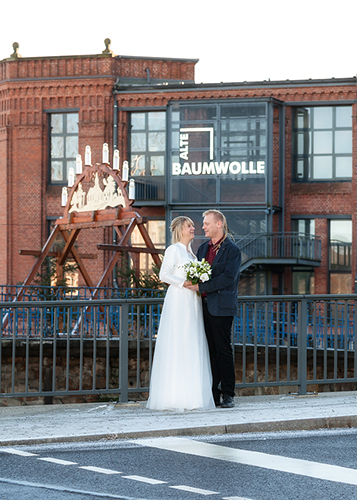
281, 248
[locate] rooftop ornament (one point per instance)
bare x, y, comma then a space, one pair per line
15, 54
107, 43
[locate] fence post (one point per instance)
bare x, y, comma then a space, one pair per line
124, 353
302, 346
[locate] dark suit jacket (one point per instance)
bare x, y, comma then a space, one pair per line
222, 288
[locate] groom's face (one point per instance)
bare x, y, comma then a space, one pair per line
211, 226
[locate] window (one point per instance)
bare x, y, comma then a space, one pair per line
322, 143
340, 256
303, 281
147, 154
156, 230
219, 153
304, 241
63, 145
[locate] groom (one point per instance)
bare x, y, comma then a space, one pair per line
220, 303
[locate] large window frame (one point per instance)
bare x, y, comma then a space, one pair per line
63, 141
322, 143
147, 147
242, 135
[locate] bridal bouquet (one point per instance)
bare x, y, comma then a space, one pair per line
198, 270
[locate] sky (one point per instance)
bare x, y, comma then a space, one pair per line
234, 40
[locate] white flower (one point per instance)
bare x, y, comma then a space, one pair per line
204, 277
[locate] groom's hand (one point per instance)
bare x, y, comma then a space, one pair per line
192, 287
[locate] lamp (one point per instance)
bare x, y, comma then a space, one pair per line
70, 177
125, 172
105, 153
78, 164
116, 159
88, 156
131, 189
64, 196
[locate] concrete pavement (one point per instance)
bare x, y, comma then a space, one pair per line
94, 421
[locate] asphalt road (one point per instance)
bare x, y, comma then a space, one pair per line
270, 466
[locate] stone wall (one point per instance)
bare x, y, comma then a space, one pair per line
86, 354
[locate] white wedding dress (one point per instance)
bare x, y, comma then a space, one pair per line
181, 376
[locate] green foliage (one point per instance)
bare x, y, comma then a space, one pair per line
48, 280
131, 278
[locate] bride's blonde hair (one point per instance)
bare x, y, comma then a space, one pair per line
176, 227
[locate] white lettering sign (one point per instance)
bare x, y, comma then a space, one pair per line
219, 168
211, 167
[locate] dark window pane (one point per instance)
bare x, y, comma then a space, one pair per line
193, 190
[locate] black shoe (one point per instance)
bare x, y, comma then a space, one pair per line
218, 403
227, 401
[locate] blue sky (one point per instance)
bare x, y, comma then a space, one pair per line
234, 40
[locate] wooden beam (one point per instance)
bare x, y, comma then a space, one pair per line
79, 262
36, 253
131, 249
68, 246
149, 243
34, 269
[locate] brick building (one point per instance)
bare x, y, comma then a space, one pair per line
278, 158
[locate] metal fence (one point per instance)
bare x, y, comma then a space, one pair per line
60, 348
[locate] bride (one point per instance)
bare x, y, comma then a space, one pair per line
181, 376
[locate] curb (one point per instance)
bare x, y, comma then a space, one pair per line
253, 427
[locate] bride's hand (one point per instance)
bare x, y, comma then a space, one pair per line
187, 284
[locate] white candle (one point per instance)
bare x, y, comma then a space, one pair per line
132, 189
125, 172
64, 196
105, 153
88, 156
116, 159
70, 177
78, 164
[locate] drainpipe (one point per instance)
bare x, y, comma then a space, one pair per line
115, 146
147, 76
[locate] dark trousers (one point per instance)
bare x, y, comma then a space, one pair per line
218, 332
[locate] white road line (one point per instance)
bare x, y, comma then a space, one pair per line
57, 461
100, 470
144, 479
194, 490
256, 459
18, 452
236, 498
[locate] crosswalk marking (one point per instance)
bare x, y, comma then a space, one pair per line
144, 479
100, 470
194, 490
257, 459
18, 452
57, 461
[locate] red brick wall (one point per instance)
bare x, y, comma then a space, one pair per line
30, 86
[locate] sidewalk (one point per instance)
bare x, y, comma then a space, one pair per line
87, 422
